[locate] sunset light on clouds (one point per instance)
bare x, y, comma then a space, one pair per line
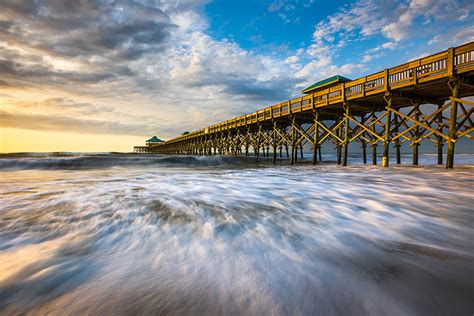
105, 75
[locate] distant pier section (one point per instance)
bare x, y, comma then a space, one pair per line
422, 100
149, 145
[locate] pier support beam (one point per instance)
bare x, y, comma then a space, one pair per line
364, 152
374, 141
346, 134
315, 138
454, 85
296, 153
363, 144
339, 144
397, 140
385, 162
439, 138
274, 142
416, 144
257, 149
292, 142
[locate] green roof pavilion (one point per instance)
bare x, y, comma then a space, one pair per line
153, 140
326, 83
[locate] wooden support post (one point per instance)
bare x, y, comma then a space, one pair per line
346, 134
440, 139
295, 144
247, 144
237, 144
363, 144
315, 138
397, 141
452, 123
416, 136
292, 143
364, 152
220, 144
338, 146
204, 149
257, 152
374, 139
296, 153
386, 147
274, 142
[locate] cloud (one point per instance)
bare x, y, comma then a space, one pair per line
368, 58
395, 21
137, 67
426, 10
287, 10
317, 71
70, 124
40, 74
59, 104
276, 5
100, 36
136, 48
363, 18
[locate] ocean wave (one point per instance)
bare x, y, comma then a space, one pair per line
71, 161
84, 161
289, 240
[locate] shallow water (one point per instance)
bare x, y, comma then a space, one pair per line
124, 234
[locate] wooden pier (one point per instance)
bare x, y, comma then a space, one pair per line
422, 100
142, 149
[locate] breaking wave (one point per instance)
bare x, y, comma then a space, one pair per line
81, 161
72, 161
286, 240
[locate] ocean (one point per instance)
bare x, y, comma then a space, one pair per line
108, 233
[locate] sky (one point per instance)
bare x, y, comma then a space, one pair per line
107, 75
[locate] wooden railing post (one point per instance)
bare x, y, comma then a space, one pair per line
450, 61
